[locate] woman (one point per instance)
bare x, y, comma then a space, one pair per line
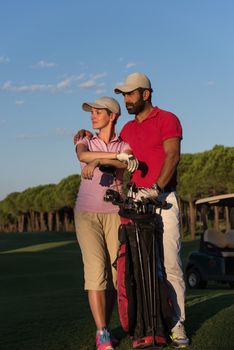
97, 221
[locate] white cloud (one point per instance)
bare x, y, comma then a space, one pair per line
66, 81
100, 91
59, 132
63, 84
100, 75
130, 65
29, 136
80, 77
4, 59
92, 81
44, 64
9, 86
119, 83
32, 88
88, 84
19, 102
210, 83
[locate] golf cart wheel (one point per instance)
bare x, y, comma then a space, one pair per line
231, 284
193, 279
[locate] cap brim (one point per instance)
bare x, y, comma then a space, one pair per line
124, 88
128, 88
87, 106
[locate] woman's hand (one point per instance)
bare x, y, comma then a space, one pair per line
81, 134
88, 170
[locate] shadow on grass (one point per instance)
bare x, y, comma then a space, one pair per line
20, 241
200, 312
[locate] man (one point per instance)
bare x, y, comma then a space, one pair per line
154, 136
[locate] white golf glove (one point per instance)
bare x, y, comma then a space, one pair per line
146, 193
130, 160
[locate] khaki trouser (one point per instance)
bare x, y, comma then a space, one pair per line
97, 234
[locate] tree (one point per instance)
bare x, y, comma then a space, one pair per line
10, 209
44, 203
25, 204
204, 174
66, 192
51, 206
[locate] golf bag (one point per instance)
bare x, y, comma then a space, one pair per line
144, 306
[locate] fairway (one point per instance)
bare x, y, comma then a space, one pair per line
43, 305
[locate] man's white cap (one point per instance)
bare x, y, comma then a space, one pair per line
104, 102
133, 82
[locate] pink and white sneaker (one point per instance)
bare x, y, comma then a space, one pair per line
103, 340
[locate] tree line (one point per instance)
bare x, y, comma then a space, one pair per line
50, 207
41, 208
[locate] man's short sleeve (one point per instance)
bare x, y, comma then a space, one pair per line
170, 127
125, 147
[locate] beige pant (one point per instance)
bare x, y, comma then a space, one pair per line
97, 234
171, 252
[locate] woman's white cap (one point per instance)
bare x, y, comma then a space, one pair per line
104, 102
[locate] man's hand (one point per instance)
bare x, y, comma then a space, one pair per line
131, 161
81, 134
88, 170
144, 193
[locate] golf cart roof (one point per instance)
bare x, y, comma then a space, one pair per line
223, 200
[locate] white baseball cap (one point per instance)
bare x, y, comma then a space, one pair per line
133, 82
104, 102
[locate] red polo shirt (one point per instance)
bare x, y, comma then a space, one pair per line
146, 140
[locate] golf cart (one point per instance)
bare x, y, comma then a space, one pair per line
214, 261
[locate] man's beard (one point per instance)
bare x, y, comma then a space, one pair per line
137, 107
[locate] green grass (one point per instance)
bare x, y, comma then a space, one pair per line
43, 305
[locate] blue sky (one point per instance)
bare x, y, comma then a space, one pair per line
56, 54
